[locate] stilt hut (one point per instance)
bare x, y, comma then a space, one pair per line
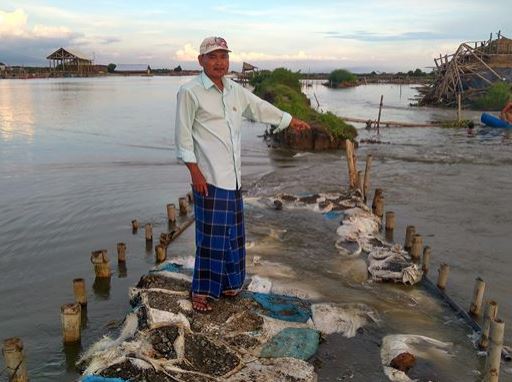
247, 71
67, 61
470, 70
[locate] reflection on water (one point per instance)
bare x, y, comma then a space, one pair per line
100, 155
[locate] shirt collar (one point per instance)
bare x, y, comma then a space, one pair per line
208, 83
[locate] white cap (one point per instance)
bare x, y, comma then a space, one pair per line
210, 44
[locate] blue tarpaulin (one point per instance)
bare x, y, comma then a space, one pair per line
97, 378
292, 342
169, 267
285, 308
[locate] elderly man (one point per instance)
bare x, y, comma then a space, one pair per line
208, 127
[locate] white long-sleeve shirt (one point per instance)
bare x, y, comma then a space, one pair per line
208, 124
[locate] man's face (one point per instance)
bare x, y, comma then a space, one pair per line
215, 64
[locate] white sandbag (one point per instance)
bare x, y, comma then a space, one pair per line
420, 346
332, 318
277, 369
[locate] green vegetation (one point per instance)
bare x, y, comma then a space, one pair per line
341, 77
495, 98
111, 68
463, 123
282, 88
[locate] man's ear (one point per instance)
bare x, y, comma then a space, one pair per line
200, 59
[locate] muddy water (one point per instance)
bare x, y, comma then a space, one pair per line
80, 158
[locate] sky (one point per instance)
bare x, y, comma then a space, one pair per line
311, 36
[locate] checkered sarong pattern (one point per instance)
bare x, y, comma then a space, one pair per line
220, 242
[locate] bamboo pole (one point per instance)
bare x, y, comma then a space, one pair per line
378, 203
493, 362
14, 357
380, 112
171, 213
478, 297
459, 107
444, 270
349, 152
148, 232
70, 319
426, 259
366, 182
409, 233
79, 291
160, 253
390, 221
183, 203
491, 312
360, 182
416, 246
121, 253
101, 263
135, 226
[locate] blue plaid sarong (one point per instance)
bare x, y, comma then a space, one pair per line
220, 242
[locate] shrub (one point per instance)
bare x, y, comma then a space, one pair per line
495, 97
340, 76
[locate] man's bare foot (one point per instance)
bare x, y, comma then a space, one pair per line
200, 303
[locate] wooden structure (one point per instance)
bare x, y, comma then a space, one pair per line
64, 60
247, 71
470, 70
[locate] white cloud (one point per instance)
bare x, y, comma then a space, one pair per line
15, 24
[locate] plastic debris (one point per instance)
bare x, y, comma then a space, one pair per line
285, 308
300, 343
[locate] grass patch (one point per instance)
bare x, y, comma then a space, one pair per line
282, 88
464, 123
495, 98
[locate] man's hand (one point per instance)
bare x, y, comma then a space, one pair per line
198, 181
299, 125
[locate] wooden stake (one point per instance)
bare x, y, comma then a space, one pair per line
352, 171
380, 111
416, 247
410, 231
135, 226
121, 253
390, 221
492, 364
148, 232
171, 213
478, 297
366, 183
70, 318
160, 253
190, 198
444, 270
375, 203
360, 182
426, 259
14, 358
101, 263
459, 107
79, 291
491, 312
183, 206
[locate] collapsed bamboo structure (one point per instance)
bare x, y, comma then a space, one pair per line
473, 67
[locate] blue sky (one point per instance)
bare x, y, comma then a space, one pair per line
308, 35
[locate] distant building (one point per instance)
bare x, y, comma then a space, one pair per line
2, 67
65, 60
